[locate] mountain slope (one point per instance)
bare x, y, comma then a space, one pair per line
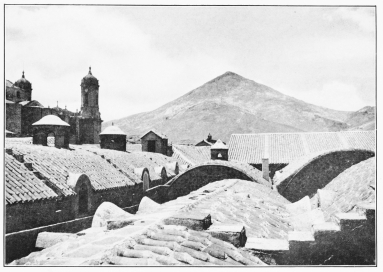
233, 104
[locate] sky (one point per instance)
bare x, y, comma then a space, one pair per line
146, 56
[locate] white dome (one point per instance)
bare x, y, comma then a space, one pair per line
50, 120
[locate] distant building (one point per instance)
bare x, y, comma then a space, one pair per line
219, 151
208, 142
22, 111
155, 142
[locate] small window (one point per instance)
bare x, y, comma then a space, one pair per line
18, 95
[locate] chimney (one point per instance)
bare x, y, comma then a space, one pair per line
219, 151
265, 169
209, 138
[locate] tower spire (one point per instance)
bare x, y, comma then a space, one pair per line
23, 75
90, 70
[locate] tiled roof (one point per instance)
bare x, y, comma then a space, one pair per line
149, 241
351, 187
285, 147
260, 209
191, 155
128, 161
21, 185
55, 164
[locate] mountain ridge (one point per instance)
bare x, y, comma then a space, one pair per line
230, 104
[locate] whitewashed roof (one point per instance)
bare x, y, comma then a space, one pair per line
219, 145
50, 120
112, 130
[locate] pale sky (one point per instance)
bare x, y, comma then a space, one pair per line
147, 56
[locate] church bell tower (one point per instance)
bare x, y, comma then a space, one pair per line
90, 121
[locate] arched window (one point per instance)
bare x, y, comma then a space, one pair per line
51, 140
83, 199
146, 181
18, 94
86, 99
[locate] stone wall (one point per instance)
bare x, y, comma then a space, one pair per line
319, 172
199, 176
13, 117
114, 142
161, 144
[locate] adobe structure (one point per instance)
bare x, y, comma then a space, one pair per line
113, 138
22, 111
155, 142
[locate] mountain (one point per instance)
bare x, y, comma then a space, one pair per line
363, 119
230, 104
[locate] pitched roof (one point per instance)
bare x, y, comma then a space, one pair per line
285, 147
112, 130
21, 185
159, 134
50, 120
219, 145
191, 155
351, 187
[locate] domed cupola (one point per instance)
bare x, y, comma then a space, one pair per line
89, 80
23, 83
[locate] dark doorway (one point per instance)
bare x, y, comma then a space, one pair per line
83, 199
151, 146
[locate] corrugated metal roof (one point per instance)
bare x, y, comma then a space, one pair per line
21, 185
285, 147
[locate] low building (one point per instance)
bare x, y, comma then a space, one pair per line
208, 142
51, 125
113, 138
155, 142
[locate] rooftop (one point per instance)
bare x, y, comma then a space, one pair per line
150, 240
351, 187
50, 120
21, 185
112, 130
282, 148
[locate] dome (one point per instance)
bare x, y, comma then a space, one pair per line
23, 83
89, 79
50, 120
112, 130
